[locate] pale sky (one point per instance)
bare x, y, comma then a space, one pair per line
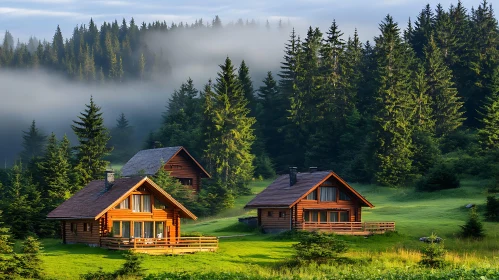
40, 18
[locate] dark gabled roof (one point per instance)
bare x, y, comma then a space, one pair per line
148, 162
93, 201
281, 194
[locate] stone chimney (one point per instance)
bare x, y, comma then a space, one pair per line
109, 179
312, 169
292, 175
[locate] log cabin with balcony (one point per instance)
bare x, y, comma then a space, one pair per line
128, 214
315, 200
175, 160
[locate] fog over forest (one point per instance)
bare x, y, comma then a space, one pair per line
53, 101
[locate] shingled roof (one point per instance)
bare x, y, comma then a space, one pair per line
148, 162
93, 200
281, 194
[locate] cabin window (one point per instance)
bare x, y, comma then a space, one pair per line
282, 214
306, 216
323, 216
328, 194
137, 229
185, 181
158, 204
333, 217
148, 229
121, 229
87, 227
74, 228
160, 229
312, 195
269, 214
314, 216
175, 166
141, 203
125, 204
344, 217
344, 196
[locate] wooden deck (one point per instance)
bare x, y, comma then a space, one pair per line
160, 246
349, 228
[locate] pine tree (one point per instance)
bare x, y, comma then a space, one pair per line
33, 143
232, 131
446, 104
55, 169
422, 30
489, 131
93, 138
395, 103
5, 238
247, 87
208, 126
121, 139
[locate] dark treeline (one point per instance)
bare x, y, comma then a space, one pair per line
419, 102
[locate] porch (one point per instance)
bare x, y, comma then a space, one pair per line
348, 228
158, 246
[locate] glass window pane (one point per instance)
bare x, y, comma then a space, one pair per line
344, 196
312, 195
160, 230
136, 203
148, 230
306, 216
323, 216
344, 217
147, 203
116, 228
137, 229
315, 216
125, 229
333, 217
328, 194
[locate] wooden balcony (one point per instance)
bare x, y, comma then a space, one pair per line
157, 246
349, 228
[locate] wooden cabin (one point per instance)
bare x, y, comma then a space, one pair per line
127, 213
176, 160
315, 200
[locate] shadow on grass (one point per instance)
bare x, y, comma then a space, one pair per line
53, 249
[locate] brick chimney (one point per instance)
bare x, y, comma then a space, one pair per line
312, 169
292, 175
109, 179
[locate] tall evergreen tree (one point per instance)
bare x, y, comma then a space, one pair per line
93, 138
422, 30
247, 87
489, 131
33, 143
395, 103
232, 131
447, 107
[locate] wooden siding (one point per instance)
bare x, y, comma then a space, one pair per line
181, 166
91, 237
273, 221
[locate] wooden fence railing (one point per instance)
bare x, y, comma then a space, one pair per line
373, 227
184, 244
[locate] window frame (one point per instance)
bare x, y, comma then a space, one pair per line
120, 205
335, 193
313, 193
141, 203
282, 214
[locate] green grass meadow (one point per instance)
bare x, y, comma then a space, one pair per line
416, 214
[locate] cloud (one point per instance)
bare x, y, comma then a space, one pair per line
20, 12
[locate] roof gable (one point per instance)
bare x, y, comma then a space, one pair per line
148, 162
93, 201
281, 194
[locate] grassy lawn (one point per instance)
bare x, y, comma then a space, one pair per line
415, 214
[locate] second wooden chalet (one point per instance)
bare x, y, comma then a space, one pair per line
315, 200
127, 213
176, 160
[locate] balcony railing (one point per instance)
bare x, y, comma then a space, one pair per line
349, 227
162, 245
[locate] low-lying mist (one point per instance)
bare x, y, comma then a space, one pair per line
54, 101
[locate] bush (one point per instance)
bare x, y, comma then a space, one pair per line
132, 265
99, 275
473, 227
433, 253
30, 261
492, 208
319, 247
440, 177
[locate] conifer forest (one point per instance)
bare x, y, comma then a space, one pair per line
416, 103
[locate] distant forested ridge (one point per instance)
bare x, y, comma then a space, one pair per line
417, 99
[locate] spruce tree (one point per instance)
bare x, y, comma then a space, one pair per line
489, 130
93, 138
233, 134
207, 125
33, 143
121, 139
446, 104
422, 30
247, 87
395, 103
